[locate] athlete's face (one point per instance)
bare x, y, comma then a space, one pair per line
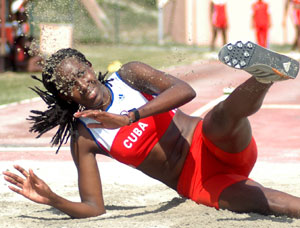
78, 82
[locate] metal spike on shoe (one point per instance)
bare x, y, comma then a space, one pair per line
267, 66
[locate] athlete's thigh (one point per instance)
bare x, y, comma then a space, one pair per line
229, 134
245, 196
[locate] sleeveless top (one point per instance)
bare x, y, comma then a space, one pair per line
129, 144
261, 14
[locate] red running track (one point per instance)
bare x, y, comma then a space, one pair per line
276, 129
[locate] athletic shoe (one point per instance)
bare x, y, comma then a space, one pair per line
266, 66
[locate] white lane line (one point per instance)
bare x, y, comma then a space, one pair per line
26, 101
281, 106
212, 103
198, 112
209, 106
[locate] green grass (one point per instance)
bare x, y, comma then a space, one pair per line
125, 23
137, 39
158, 57
15, 86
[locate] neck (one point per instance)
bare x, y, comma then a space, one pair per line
106, 99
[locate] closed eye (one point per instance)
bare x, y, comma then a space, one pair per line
80, 74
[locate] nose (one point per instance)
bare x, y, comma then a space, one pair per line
83, 83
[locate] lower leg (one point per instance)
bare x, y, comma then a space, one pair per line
213, 40
226, 125
246, 99
250, 196
224, 34
296, 41
298, 38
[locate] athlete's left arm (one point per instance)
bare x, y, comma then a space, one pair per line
171, 92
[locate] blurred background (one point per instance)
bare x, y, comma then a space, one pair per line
162, 33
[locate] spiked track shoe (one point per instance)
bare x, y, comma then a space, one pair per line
265, 65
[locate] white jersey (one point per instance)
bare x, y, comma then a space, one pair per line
129, 144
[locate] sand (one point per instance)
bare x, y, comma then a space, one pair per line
135, 200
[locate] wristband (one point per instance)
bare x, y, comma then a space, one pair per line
136, 113
126, 113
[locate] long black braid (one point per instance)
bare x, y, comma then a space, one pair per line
59, 112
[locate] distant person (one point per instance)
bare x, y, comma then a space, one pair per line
261, 22
26, 59
20, 18
296, 20
218, 16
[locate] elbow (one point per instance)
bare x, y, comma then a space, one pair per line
193, 94
187, 90
94, 213
99, 212
190, 93
89, 213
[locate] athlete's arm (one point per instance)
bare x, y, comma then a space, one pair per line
83, 150
35, 189
171, 92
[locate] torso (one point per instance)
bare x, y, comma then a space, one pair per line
162, 160
166, 159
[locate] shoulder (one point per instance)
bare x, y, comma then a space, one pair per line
133, 68
82, 143
138, 75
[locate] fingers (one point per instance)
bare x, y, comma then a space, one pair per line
87, 113
16, 190
21, 170
13, 179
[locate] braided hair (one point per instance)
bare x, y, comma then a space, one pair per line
59, 112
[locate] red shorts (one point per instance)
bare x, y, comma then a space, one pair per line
208, 170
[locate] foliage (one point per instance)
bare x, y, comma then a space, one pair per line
128, 21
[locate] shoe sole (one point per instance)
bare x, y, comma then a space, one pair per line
258, 61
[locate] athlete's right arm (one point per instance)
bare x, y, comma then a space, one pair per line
89, 183
83, 150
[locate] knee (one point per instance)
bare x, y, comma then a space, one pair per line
218, 117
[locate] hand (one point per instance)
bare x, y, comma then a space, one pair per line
31, 187
106, 120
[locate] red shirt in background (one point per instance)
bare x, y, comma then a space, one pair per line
219, 16
261, 14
